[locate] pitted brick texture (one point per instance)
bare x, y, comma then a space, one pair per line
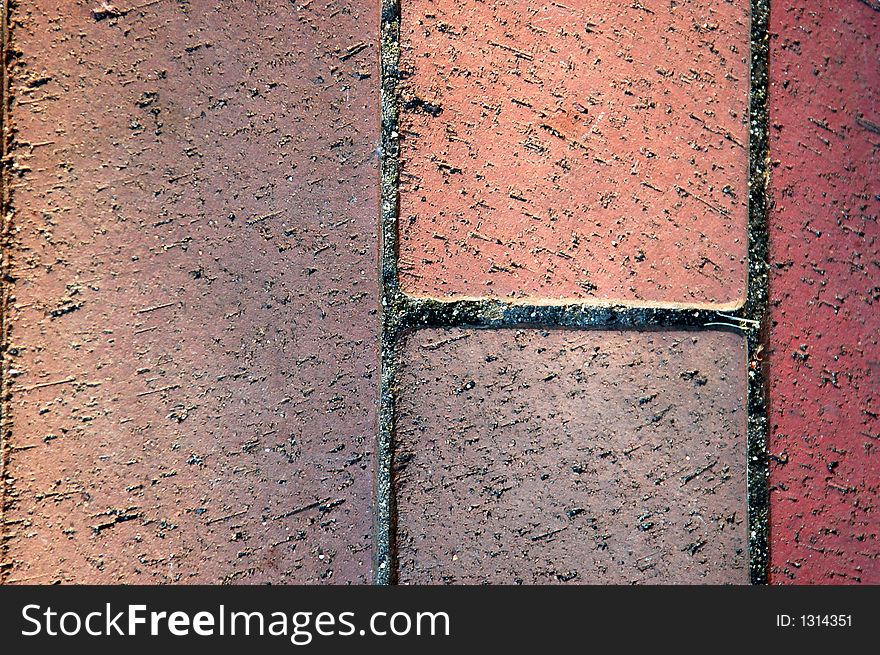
825, 262
592, 151
571, 456
195, 209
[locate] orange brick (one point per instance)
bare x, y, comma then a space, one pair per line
589, 151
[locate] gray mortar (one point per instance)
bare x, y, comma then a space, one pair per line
402, 313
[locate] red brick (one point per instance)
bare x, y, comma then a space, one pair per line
575, 152
591, 457
195, 204
825, 254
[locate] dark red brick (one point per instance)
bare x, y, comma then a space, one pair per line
194, 331
825, 256
571, 456
575, 151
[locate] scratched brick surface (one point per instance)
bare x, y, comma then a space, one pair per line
194, 330
585, 150
582, 457
825, 261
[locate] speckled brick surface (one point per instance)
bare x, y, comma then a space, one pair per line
825, 261
193, 353
191, 366
592, 151
571, 456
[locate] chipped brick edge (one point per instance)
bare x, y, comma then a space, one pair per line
5, 278
402, 313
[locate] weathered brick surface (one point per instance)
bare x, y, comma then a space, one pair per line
592, 457
825, 256
194, 345
577, 150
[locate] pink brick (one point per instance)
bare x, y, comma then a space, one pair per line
194, 328
571, 456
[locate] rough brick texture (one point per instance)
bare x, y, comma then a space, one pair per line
582, 457
194, 345
575, 151
825, 256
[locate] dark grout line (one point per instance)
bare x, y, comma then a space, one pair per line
758, 294
383, 562
402, 313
